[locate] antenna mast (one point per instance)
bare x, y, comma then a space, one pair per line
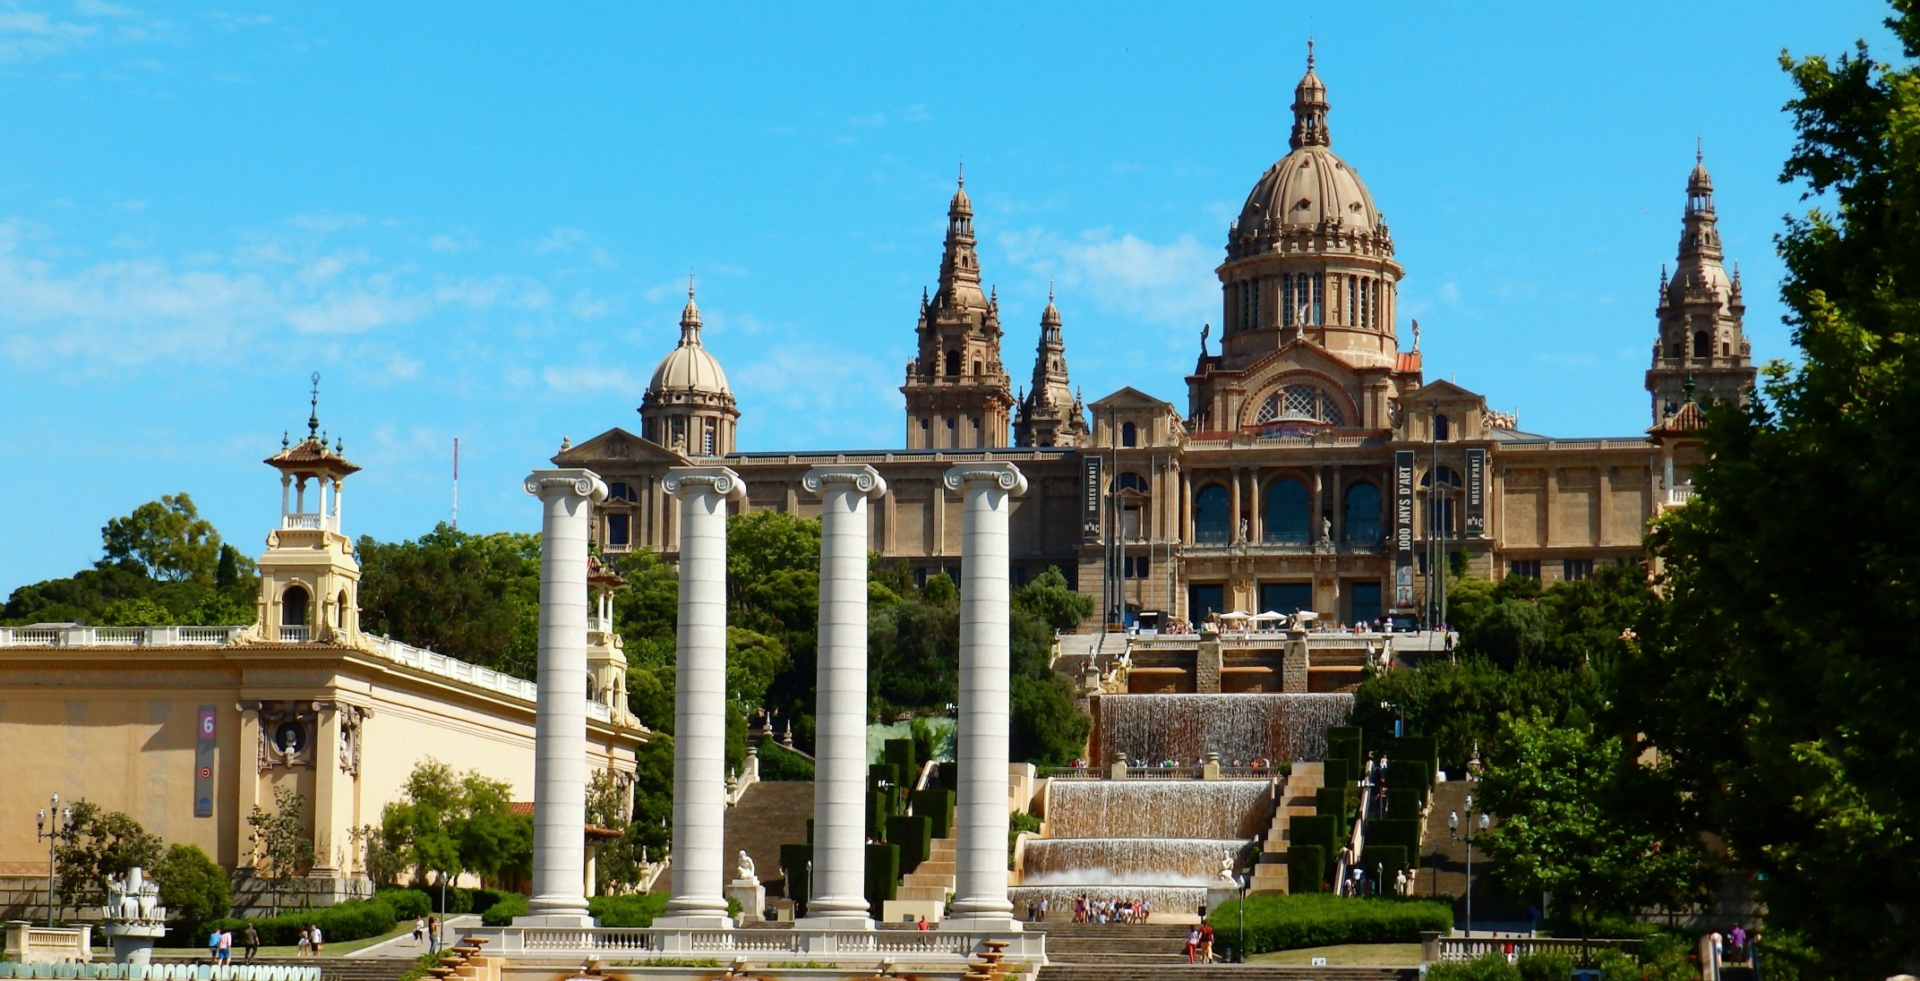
456, 483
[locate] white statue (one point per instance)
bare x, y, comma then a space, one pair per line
746, 870
1226, 869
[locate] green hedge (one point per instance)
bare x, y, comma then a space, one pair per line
779, 763
1386, 861
502, 912
882, 875
407, 903
354, 919
938, 805
1336, 802
612, 911
1404, 832
948, 773
1338, 772
879, 809
1321, 830
1292, 922
1404, 804
914, 835
901, 754
794, 859
1306, 869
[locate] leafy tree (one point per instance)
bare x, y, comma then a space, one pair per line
283, 846
447, 822
193, 887
473, 597
166, 539
1580, 819
1782, 681
1051, 601
652, 826
95, 844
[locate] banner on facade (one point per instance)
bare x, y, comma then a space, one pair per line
1403, 528
1476, 493
1090, 499
206, 730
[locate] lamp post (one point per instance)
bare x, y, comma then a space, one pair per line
1472, 833
440, 935
60, 820
1240, 949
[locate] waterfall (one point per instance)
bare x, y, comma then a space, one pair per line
1165, 899
1211, 809
1247, 727
1140, 861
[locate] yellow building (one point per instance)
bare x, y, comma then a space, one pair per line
188, 729
1314, 466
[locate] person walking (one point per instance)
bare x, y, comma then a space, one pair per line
213, 947
1193, 943
306, 942
1206, 943
433, 934
315, 930
1737, 945
1043, 907
250, 938
419, 930
226, 947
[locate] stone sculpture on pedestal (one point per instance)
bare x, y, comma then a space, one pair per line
133, 918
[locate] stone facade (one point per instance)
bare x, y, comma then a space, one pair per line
1313, 467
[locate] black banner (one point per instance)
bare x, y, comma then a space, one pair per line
1403, 528
1090, 499
1476, 493
203, 761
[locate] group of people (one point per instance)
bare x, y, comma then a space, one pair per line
220, 945
1087, 910
426, 929
1200, 944
1736, 946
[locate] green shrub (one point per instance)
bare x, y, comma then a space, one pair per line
882, 875
914, 835
354, 919
879, 809
793, 862
484, 899
1487, 967
948, 773
905, 760
937, 805
502, 912
879, 773
1384, 860
1404, 804
1338, 772
1306, 869
1321, 830
1550, 965
1401, 832
193, 887
782, 764
1335, 802
636, 910
1294, 921
407, 903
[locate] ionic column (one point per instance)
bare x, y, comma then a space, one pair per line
980, 902
560, 723
698, 900
840, 700
1233, 528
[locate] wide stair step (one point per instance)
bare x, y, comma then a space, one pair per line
1222, 972
771, 813
331, 968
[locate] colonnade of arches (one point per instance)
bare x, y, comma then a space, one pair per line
1286, 513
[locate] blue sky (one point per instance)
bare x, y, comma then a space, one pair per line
477, 220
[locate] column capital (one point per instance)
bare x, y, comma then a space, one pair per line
583, 483
681, 481
864, 479
1006, 475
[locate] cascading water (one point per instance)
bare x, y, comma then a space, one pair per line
1276, 727
1157, 809
1163, 841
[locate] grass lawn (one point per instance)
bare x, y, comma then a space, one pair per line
327, 949
1347, 955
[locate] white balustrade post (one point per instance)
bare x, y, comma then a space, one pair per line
560, 722
698, 900
840, 701
980, 903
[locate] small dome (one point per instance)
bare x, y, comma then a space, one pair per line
689, 367
1309, 186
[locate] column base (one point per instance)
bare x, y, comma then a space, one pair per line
995, 923
834, 921
692, 921
567, 921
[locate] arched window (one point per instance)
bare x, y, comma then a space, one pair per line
1441, 430
1129, 435
622, 491
293, 607
953, 363
979, 368
1360, 521
1299, 403
340, 611
1212, 517
1130, 481
1286, 300
1285, 514
1440, 507
1702, 344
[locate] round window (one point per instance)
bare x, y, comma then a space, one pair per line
290, 737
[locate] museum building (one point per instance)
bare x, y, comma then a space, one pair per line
1313, 467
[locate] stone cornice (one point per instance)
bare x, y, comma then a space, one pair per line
1005, 475
583, 483
864, 478
681, 481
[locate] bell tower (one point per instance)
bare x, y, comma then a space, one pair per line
958, 394
1702, 351
309, 579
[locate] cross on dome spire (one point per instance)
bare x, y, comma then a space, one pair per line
1310, 109
313, 415
690, 319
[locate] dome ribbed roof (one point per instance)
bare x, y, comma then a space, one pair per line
1309, 186
689, 367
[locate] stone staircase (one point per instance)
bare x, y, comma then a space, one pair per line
934, 879
331, 968
1296, 798
1130, 952
1221, 972
770, 813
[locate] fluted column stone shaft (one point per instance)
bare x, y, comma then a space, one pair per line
560, 722
698, 899
840, 699
987, 491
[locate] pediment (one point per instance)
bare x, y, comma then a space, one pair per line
1301, 355
1444, 391
1129, 397
618, 445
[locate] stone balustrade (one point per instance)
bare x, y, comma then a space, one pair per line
1454, 948
68, 635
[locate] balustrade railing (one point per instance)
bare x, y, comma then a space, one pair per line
295, 633
309, 521
1437, 947
71, 635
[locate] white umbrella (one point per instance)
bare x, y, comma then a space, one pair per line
1270, 615
1235, 615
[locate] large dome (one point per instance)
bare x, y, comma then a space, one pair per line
1307, 187
688, 368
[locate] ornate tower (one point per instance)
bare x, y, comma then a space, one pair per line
1702, 345
1050, 415
958, 395
309, 579
688, 406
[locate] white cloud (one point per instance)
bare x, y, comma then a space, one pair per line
327, 222
462, 242
355, 311
591, 378
567, 241
1171, 285
585, 306
28, 34
816, 392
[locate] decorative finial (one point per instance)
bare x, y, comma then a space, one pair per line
1049, 289
1699, 151
689, 285
284, 441
1309, 54
313, 404
566, 443
1687, 386
339, 446
1205, 329
963, 173
1416, 335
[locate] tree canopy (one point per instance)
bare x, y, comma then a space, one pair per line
163, 564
